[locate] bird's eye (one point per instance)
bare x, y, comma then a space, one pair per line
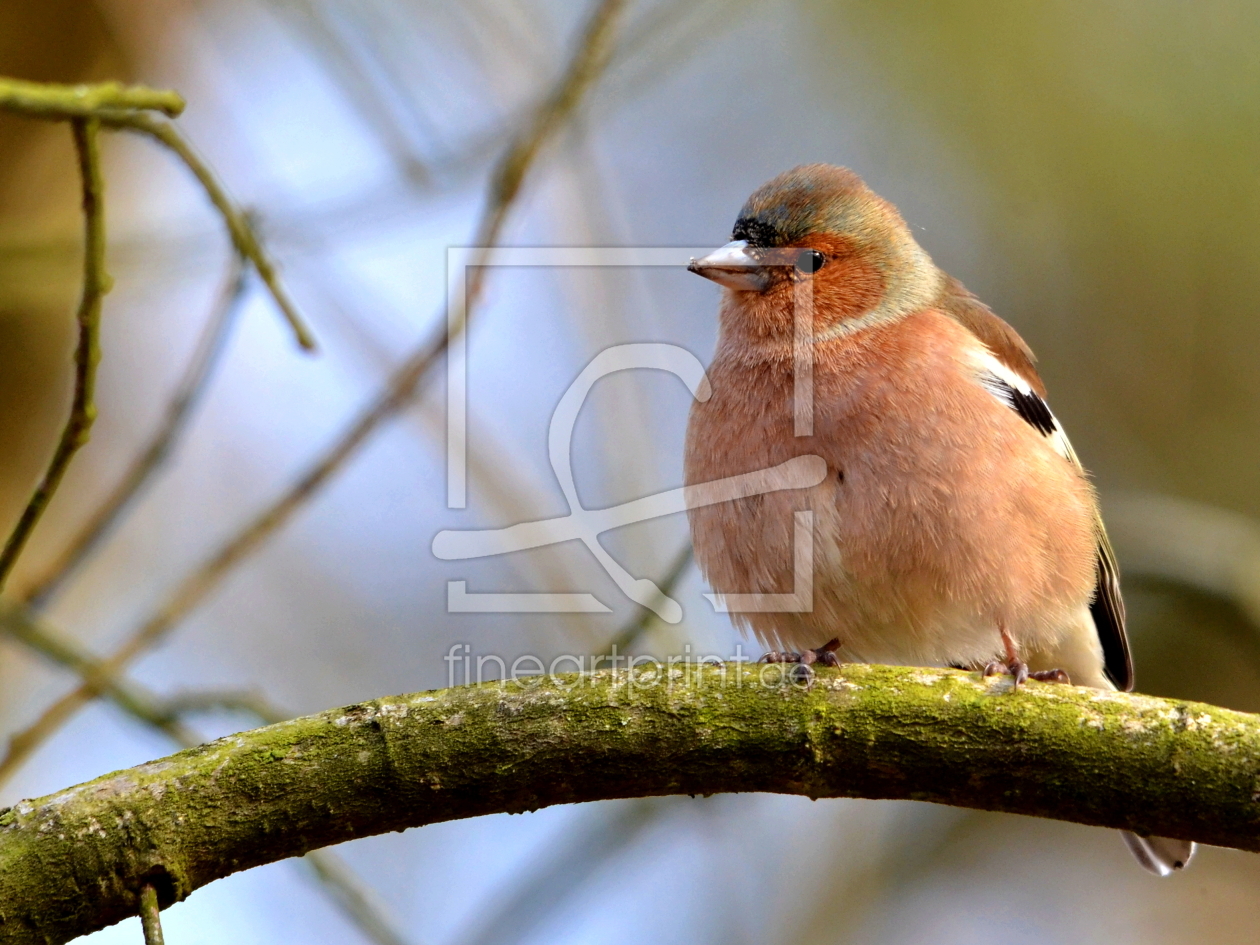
810, 261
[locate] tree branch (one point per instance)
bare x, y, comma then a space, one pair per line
240, 228
150, 917
87, 352
589, 59
76, 861
167, 715
114, 105
49, 100
159, 447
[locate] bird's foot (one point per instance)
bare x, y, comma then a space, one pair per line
1019, 669
1016, 668
825, 654
801, 673
1051, 675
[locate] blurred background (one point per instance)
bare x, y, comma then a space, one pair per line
1090, 170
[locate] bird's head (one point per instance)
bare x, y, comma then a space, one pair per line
820, 227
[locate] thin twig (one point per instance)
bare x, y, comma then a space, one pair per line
116, 106
561, 873
150, 915
355, 897
87, 352
22, 625
191, 387
240, 227
88, 107
505, 186
200, 702
49, 100
166, 715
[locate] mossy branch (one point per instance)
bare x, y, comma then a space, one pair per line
78, 860
150, 915
167, 716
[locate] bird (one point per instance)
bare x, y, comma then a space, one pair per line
955, 525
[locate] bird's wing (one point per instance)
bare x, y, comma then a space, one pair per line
1107, 608
1000, 338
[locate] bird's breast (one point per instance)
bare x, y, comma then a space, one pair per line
940, 503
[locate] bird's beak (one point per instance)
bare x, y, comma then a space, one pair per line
732, 267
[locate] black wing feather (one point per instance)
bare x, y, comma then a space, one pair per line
1107, 606
1107, 609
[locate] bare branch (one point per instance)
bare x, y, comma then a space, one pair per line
1160, 766
87, 352
22, 625
48, 100
201, 702
195, 380
150, 915
87, 108
240, 227
588, 61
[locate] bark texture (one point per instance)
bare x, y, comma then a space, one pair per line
76, 861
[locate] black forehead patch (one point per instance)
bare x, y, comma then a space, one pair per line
757, 232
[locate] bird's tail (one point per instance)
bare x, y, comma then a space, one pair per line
1158, 855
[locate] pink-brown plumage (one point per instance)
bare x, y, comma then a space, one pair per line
954, 516
955, 525
939, 532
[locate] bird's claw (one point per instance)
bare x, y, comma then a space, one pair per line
1019, 669
1052, 676
825, 654
1016, 668
802, 673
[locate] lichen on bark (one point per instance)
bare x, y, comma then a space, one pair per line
76, 861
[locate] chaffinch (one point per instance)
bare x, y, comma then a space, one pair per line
956, 526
